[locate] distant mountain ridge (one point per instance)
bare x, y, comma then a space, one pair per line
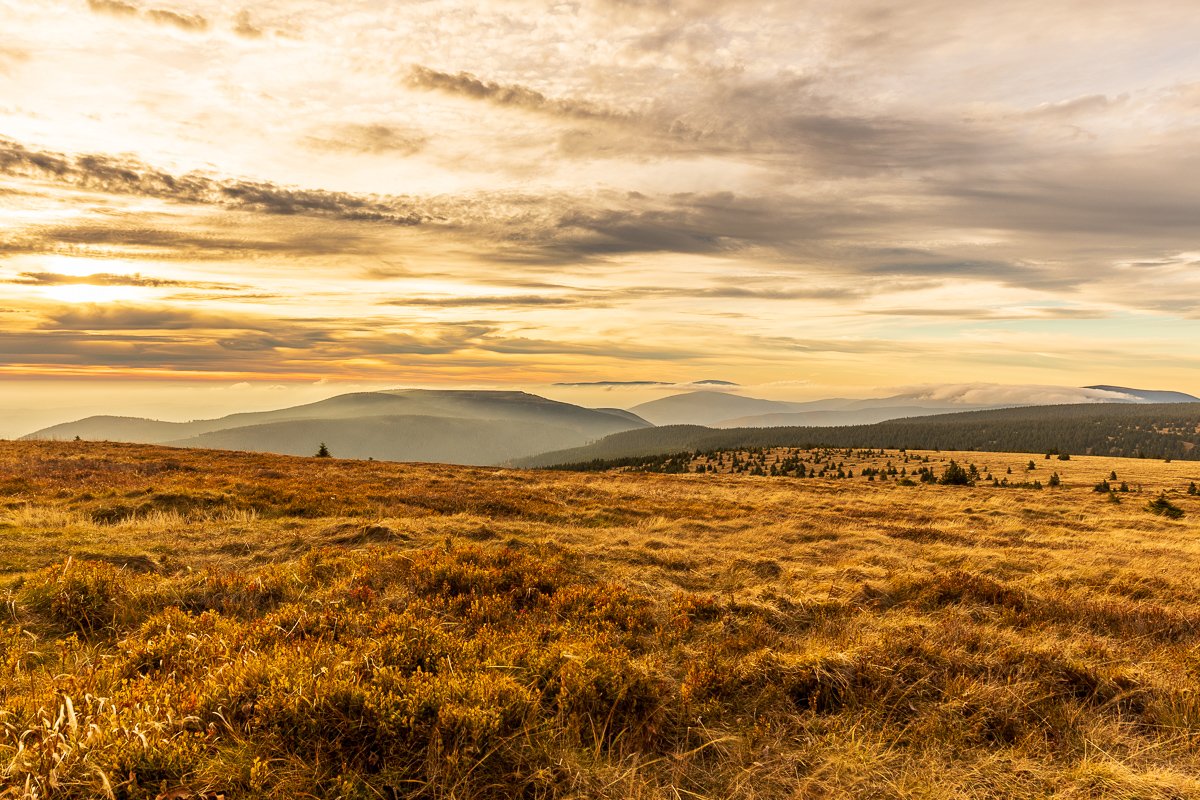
1162, 430
468, 427
717, 409
507, 427
1150, 395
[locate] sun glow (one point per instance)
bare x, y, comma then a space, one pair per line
86, 293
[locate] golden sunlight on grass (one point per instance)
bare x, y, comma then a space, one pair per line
187, 624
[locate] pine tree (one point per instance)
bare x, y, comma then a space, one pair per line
955, 475
323, 451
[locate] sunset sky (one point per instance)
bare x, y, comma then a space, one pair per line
212, 205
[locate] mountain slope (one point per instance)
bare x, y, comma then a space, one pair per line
447, 440
1150, 395
827, 419
1170, 430
711, 408
724, 410
470, 427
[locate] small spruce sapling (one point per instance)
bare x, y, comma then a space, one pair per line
1164, 508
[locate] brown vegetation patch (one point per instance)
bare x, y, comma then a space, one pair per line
196, 623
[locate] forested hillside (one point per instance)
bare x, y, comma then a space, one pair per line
1168, 430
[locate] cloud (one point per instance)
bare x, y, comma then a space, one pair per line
709, 385
244, 27
615, 384
1064, 110
185, 22
477, 301
520, 345
11, 58
374, 139
175, 237
464, 84
116, 317
116, 8
104, 279
192, 23
716, 223
126, 336
785, 116
129, 176
1000, 313
747, 293
991, 394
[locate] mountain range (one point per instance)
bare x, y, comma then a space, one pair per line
456, 427
723, 410
1125, 430
506, 427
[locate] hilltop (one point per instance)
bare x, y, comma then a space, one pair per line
459, 427
192, 623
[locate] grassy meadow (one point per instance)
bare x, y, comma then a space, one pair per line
197, 624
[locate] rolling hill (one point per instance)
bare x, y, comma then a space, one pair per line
464, 427
447, 440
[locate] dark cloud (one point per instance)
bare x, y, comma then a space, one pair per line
181, 239
192, 244
1127, 197
697, 224
464, 84
377, 139
747, 293
926, 264
599, 298
104, 279
128, 176
785, 117
117, 317
186, 22
114, 7
138, 337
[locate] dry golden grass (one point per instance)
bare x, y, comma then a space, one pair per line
185, 623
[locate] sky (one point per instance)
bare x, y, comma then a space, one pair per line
215, 204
